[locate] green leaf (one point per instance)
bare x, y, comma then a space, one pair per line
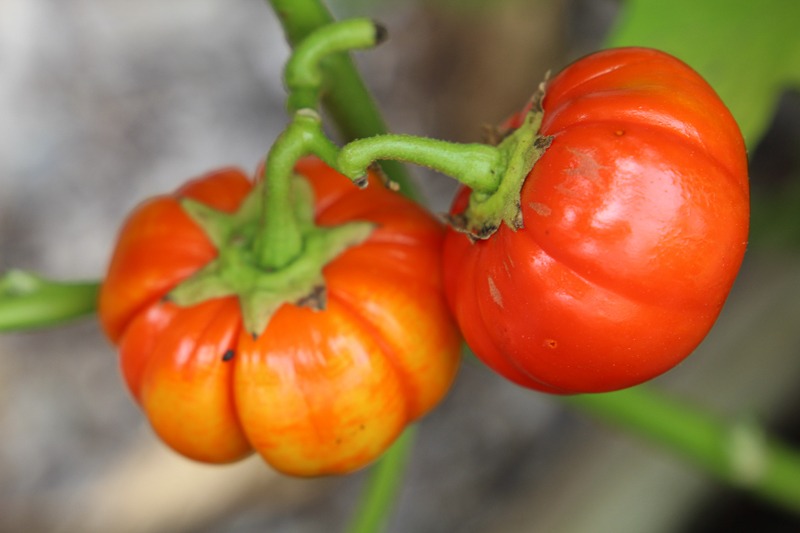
748, 51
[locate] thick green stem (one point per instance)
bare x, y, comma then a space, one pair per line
303, 73
739, 454
344, 94
494, 173
280, 239
477, 166
380, 493
28, 301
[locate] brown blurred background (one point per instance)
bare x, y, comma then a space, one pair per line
103, 103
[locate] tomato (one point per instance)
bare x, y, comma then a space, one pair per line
318, 392
635, 222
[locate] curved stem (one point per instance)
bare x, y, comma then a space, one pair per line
303, 72
737, 453
280, 239
345, 96
28, 301
380, 493
478, 166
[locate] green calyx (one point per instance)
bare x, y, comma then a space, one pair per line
236, 270
519, 152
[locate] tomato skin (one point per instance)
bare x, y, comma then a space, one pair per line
635, 226
318, 392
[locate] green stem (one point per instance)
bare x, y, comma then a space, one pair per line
737, 453
344, 95
303, 72
494, 173
477, 166
28, 301
383, 486
280, 239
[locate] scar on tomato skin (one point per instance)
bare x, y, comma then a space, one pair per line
550, 343
228, 355
588, 167
566, 191
540, 209
495, 293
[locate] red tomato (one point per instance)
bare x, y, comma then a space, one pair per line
317, 392
635, 225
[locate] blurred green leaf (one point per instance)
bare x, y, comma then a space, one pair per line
748, 51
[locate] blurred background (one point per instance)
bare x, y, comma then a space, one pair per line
104, 103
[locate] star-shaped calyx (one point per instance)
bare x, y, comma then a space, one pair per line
236, 270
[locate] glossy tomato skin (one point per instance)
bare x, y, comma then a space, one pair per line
318, 392
635, 225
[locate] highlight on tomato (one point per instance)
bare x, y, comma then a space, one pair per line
318, 365
632, 227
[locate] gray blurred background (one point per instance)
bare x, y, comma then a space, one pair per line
104, 103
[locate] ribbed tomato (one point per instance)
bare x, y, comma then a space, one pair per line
317, 392
635, 225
